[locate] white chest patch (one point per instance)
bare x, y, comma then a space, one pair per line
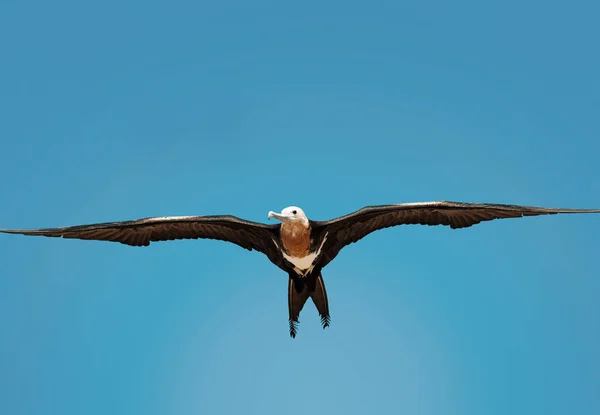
304, 262
303, 265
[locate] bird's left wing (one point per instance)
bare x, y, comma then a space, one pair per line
141, 232
348, 229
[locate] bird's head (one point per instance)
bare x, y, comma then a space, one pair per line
290, 214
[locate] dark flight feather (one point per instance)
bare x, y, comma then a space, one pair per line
350, 228
246, 234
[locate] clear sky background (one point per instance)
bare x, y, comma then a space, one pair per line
126, 109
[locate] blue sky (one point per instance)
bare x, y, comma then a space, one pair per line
122, 110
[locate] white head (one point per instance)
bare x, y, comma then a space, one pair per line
290, 214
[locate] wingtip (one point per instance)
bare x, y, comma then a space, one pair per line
19, 231
12, 231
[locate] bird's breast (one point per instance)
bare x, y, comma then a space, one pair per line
295, 238
296, 241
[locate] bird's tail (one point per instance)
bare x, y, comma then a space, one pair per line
298, 292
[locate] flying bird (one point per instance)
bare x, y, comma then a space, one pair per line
299, 246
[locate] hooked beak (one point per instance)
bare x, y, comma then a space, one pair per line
277, 216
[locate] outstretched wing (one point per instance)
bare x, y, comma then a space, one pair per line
141, 232
348, 229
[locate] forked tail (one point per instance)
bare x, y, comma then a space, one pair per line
298, 292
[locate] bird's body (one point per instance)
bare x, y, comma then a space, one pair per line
299, 246
295, 239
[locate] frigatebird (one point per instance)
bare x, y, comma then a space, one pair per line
299, 246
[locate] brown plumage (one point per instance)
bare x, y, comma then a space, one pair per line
351, 228
141, 232
295, 238
308, 246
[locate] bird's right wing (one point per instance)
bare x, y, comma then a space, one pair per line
141, 232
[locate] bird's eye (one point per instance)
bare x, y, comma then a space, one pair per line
294, 212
